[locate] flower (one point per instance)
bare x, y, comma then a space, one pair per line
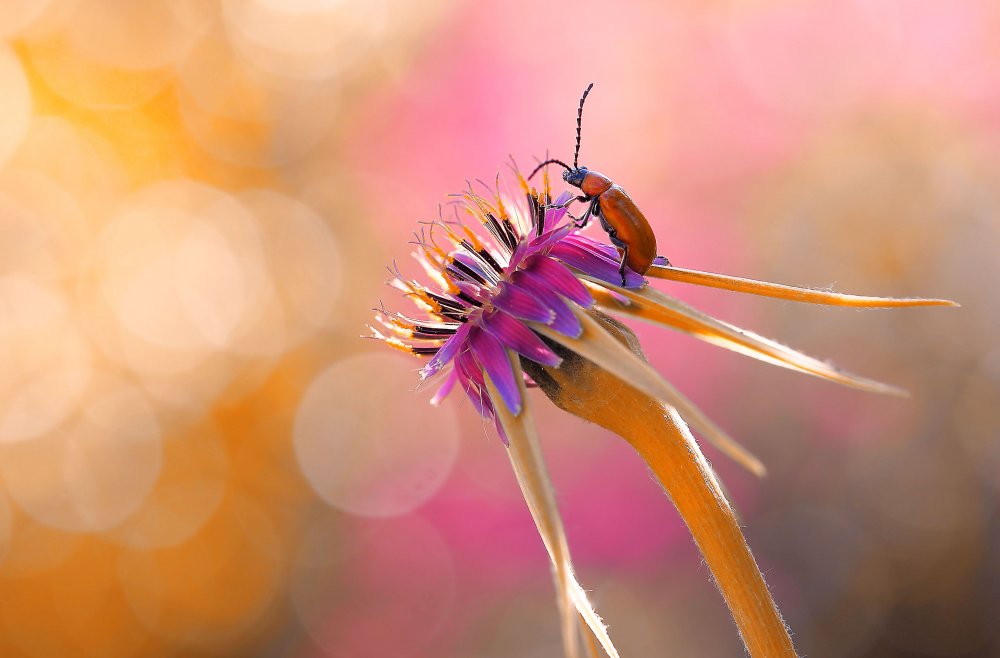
526, 289
492, 290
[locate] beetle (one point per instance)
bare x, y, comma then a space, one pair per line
620, 217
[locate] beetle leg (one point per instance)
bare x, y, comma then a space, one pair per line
613, 234
580, 221
582, 197
621, 268
592, 209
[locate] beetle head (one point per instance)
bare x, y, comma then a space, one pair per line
575, 176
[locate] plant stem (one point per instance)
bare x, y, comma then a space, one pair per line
691, 485
663, 440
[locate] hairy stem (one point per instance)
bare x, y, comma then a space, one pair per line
663, 440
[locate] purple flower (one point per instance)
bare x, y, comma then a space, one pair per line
517, 266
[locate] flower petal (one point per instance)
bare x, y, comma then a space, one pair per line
522, 304
560, 279
446, 353
555, 215
501, 432
492, 357
445, 388
551, 237
595, 264
565, 321
471, 290
519, 338
588, 243
474, 264
607, 252
472, 382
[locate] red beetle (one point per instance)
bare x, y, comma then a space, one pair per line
621, 218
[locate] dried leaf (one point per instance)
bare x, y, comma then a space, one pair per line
792, 293
600, 347
651, 305
533, 478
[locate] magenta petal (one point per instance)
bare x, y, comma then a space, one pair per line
565, 321
594, 246
479, 398
473, 384
519, 338
500, 431
446, 353
595, 264
445, 388
554, 215
472, 263
520, 252
560, 279
522, 305
551, 237
468, 369
493, 358
609, 253
471, 290
581, 259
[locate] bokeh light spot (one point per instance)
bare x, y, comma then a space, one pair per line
366, 443
18, 14
181, 265
42, 230
15, 110
302, 255
246, 116
95, 470
46, 361
310, 40
131, 35
77, 161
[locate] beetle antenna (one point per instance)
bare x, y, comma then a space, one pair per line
579, 124
548, 162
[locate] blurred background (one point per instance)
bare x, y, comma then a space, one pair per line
200, 457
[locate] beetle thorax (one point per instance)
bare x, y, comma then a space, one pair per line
593, 183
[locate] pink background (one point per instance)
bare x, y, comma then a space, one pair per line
270, 485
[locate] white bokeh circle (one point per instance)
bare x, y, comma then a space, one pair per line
366, 443
93, 471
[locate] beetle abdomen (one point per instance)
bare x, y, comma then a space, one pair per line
631, 228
